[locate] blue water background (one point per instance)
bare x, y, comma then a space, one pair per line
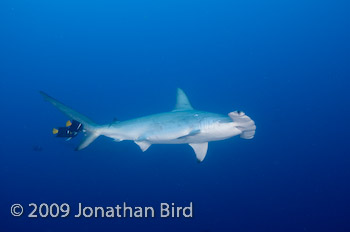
284, 63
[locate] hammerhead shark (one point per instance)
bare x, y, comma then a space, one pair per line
183, 125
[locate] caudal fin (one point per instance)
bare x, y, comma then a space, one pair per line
90, 128
243, 123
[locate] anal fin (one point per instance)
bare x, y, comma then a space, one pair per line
144, 145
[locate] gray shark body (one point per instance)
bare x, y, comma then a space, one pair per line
183, 125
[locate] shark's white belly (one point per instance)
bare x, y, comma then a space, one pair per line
174, 128
214, 133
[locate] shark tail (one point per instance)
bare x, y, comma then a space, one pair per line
91, 131
244, 123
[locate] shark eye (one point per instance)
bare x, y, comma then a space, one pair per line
240, 113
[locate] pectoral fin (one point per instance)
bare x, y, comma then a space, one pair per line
192, 133
200, 149
144, 145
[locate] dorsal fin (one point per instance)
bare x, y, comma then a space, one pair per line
182, 102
